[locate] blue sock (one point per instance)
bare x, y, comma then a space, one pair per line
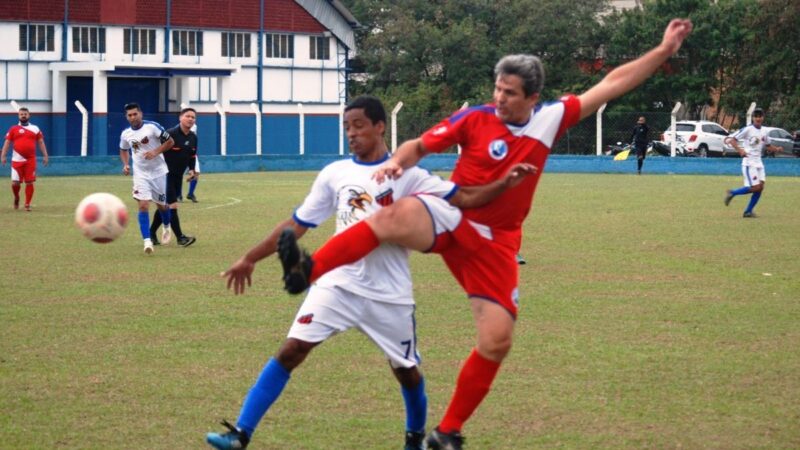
753, 200
165, 217
144, 224
416, 407
192, 185
267, 389
741, 191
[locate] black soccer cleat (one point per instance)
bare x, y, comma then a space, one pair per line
185, 241
728, 198
749, 215
232, 440
445, 441
192, 198
415, 441
295, 261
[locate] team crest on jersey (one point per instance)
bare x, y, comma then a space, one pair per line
135, 145
755, 140
385, 198
356, 201
498, 149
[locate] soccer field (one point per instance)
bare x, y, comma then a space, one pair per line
652, 316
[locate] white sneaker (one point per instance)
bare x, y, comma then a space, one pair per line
166, 236
148, 246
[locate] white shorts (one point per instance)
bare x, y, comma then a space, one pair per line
753, 175
153, 189
329, 311
447, 217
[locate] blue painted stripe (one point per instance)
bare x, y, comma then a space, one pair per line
465, 112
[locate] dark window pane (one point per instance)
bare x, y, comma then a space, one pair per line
102, 41
23, 37
51, 35
75, 40
84, 39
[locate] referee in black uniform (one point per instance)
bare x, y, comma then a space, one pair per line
177, 159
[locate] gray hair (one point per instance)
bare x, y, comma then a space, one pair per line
527, 67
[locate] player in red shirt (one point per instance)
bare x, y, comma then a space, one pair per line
25, 136
479, 245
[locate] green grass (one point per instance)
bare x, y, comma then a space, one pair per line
652, 317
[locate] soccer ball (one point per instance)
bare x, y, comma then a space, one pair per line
101, 217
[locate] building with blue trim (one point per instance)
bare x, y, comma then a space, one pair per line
253, 60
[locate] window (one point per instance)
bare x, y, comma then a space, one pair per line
186, 42
280, 46
236, 44
319, 47
88, 40
139, 42
36, 38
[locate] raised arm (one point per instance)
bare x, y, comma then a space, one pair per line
242, 270
477, 196
630, 75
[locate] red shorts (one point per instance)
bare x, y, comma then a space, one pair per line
483, 268
23, 171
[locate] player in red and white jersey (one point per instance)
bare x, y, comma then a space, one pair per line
480, 246
373, 295
24, 137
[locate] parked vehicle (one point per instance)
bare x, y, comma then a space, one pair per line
702, 138
778, 137
665, 148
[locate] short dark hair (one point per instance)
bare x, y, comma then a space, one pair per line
24, 109
132, 105
187, 109
372, 106
758, 112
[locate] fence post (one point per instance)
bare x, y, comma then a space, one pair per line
341, 128
302, 128
84, 127
674, 128
223, 133
463, 107
750, 113
396, 110
257, 112
599, 139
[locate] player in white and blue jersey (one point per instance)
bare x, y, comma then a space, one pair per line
146, 140
373, 295
754, 140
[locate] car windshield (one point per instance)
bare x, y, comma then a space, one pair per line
685, 127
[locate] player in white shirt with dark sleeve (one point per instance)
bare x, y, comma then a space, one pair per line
373, 295
754, 139
146, 141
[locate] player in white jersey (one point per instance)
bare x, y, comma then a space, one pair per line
754, 141
147, 141
372, 295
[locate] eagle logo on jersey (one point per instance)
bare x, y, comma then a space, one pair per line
498, 149
356, 201
135, 145
754, 141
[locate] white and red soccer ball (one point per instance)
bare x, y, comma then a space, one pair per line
101, 217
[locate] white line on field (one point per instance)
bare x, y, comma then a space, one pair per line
235, 201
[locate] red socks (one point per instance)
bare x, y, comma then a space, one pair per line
15, 189
474, 382
346, 247
28, 193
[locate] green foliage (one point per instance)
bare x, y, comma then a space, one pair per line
741, 51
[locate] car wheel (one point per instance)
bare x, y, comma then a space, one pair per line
702, 151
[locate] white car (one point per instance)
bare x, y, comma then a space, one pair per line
700, 137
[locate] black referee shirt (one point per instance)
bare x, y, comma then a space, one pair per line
181, 153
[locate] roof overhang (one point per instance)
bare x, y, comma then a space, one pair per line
146, 70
